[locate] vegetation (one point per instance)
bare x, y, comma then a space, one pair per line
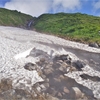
13, 18
79, 27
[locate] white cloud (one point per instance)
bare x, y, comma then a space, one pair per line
38, 7
66, 5
96, 5
32, 7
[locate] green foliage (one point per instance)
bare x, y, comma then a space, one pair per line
13, 18
79, 27
75, 26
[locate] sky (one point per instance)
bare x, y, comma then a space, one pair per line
38, 7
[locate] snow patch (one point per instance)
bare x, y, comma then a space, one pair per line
23, 54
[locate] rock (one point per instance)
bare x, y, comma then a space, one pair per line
47, 80
93, 45
99, 45
38, 89
62, 57
78, 92
42, 59
19, 96
59, 94
43, 76
64, 65
61, 77
57, 79
46, 85
49, 97
39, 71
48, 71
23, 98
79, 64
54, 92
61, 69
66, 90
30, 66
5, 84
71, 69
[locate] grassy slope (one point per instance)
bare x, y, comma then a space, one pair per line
13, 18
79, 27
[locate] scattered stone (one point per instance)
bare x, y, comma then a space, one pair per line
59, 94
78, 92
94, 45
64, 65
49, 97
28, 81
42, 60
57, 79
61, 77
30, 66
47, 80
46, 85
38, 89
23, 98
93, 78
53, 92
66, 90
39, 71
19, 96
61, 69
71, 69
48, 71
43, 76
63, 58
5, 84
79, 65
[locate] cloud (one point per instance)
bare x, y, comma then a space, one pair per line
38, 7
32, 7
66, 5
96, 5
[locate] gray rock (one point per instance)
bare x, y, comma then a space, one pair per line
93, 45
61, 77
63, 57
46, 85
57, 79
79, 64
30, 66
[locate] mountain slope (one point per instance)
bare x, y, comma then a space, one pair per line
13, 18
77, 26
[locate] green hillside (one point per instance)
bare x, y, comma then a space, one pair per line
79, 27
13, 18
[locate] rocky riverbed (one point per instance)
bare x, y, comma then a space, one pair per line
43, 67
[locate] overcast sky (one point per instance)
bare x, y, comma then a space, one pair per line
38, 7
